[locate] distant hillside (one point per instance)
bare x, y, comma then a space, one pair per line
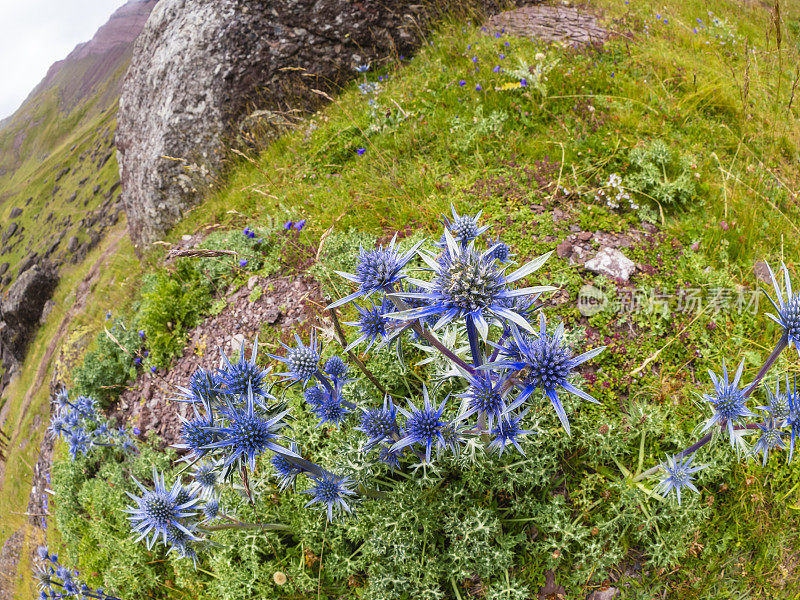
58, 172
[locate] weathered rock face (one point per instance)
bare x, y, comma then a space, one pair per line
20, 312
199, 64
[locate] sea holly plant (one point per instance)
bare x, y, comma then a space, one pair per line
465, 282
777, 424
56, 581
80, 424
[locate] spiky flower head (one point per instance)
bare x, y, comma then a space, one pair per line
197, 434
245, 374
423, 426
204, 387
380, 423
336, 368
544, 362
79, 441
678, 475
508, 431
500, 251
302, 362
315, 395
373, 325
377, 270
453, 437
788, 309
210, 510
331, 410
286, 470
779, 405
793, 420
247, 433
728, 401
205, 477
330, 490
486, 395
463, 227
158, 511
769, 439
469, 283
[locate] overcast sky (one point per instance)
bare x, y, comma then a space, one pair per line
36, 33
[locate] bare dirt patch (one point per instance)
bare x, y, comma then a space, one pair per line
286, 303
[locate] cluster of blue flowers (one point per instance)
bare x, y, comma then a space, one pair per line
471, 286
81, 425
728, 400
56, 581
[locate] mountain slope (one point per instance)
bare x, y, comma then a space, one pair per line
58, 173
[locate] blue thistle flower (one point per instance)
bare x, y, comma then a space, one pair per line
302, 362
728, 401
793, 420
507, 431
330, 490
315, 396
373, 324
546, 363
788, 310
332, 410
485, 396
79, 441
198, 434
423, 426
779, 406
463, 228
769, 439
380, 424
286, 471
377, 270
210, 510
468, 283
158, 511
245, 374
390, 457
500, 251
205, 477
248, 434
203, 388
678, 475
336, 368
452, 437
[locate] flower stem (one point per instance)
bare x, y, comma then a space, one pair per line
474, 343
358, 362
421, 331
780, 347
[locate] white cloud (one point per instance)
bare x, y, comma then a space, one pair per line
36, 33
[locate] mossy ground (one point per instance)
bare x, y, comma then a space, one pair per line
533, 159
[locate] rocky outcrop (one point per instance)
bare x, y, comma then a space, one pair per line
20, 311
199, 64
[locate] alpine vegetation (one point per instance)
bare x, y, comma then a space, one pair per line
56, 581
730, 414
468, 282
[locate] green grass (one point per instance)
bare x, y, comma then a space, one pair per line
508, 152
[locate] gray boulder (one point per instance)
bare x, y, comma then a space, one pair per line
200, 65
20, 311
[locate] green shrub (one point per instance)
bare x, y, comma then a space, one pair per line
109, 365
172, 304
661, 176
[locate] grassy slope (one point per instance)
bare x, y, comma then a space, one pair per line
112, 288
661, 80
39, 142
